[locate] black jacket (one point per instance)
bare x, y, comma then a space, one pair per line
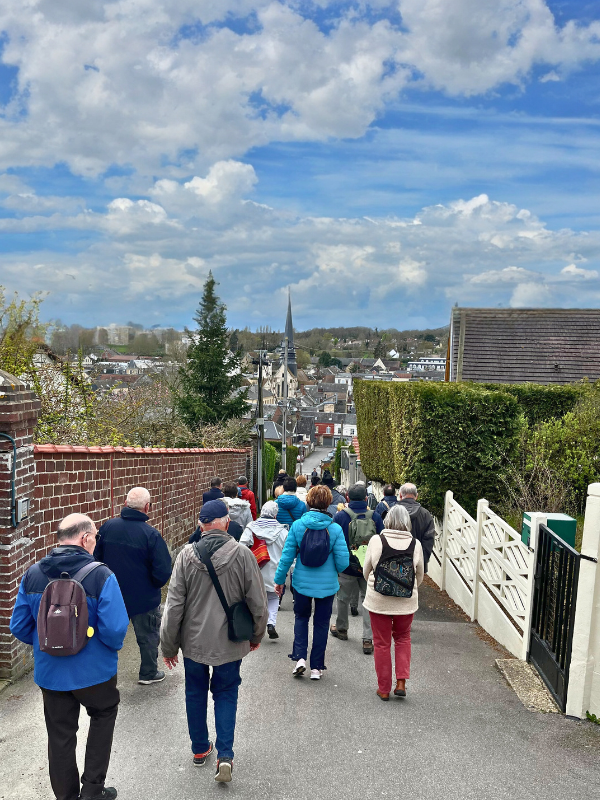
139, 557
423, 527
214, 493
383, 506
234, 529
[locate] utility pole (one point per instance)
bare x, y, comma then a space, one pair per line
260, 424
285, 406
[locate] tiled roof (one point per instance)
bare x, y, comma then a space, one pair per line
551, 345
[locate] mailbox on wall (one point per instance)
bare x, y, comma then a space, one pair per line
562, 525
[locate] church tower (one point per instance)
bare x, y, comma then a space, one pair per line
289, 332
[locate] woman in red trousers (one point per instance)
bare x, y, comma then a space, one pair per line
391, 616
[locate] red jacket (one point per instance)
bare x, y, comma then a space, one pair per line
249, 496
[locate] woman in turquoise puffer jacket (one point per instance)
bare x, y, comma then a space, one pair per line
313, 583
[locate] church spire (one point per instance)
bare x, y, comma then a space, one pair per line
289, 332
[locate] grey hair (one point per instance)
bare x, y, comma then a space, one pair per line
398, 519
79, 524
270, 509
408, 489
137, 498
219, 523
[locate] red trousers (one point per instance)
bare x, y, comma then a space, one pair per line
384, 627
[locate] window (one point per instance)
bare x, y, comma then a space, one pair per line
328, 429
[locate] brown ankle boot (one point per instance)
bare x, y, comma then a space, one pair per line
383, 695
400, 690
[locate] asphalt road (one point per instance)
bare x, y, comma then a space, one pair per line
460, 734
313, 460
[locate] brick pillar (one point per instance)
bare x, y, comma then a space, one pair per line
19, 409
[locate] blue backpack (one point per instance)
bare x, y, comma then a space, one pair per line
314, 548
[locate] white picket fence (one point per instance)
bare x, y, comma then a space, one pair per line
487, 571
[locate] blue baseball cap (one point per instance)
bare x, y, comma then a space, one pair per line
214, 509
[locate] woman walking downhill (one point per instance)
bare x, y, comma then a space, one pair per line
315, 539
392, 616
273, 534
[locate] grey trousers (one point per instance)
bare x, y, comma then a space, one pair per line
147, 633
348, 586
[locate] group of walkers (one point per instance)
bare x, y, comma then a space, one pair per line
225, 589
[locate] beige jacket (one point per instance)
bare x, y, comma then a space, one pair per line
379, 603
194, 619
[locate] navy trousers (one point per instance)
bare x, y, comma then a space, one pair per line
321, 617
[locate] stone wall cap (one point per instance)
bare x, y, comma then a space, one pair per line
8, 381
105, 449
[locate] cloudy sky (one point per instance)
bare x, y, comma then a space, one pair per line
383, 160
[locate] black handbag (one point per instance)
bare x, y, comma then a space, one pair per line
240, 623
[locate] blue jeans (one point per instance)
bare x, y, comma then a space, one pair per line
224, 684
322, 615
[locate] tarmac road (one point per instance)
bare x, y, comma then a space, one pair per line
460, 734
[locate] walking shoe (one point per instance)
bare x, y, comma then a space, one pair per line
224, 770
341, 635
383, 695
300, 668
200, 758
315, 674
272, 632
160, 676
368, 647
400, 690
354, 611
107, 793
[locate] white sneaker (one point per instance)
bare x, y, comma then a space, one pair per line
300, 668
315, 674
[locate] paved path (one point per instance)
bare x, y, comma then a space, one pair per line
313, 460
461, 733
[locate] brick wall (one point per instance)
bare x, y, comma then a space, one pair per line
90, 480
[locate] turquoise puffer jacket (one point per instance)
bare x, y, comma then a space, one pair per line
314, 581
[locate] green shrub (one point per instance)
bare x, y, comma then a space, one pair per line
542, 403
438, 435
291, 457
270, 458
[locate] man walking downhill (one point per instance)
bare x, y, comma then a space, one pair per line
358, 523
140, 559
195, 622
247, 494
423, 527
85, 678
389, 500
214, 493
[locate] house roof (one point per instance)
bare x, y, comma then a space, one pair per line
541, 345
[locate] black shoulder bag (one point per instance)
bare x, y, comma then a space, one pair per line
240, 623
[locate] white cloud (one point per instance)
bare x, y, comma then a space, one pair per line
571, 271
117, 82
531, 295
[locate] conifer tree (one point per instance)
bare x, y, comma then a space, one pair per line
209, 379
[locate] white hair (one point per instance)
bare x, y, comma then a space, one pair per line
137, 498
398, 519
408, 489
220, 524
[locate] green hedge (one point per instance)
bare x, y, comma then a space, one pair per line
541, 403
270, 460
291, 457
438, 435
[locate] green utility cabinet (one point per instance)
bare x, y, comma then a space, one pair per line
562, 525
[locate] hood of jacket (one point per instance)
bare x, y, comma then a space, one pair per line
237, 502
288, 500
316, 519
267, 529
65, 558
222, 548
358, 506
410, 504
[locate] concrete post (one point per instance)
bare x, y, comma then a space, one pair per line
19, 409
352, 458
584, 674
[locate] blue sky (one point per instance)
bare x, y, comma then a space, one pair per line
384, 161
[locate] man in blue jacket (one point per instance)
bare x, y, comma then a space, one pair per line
357, 496
89, 677
291, 507
214, 493
389, 500
140, 559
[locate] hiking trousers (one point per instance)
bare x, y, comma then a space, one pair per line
349, 586
61, 711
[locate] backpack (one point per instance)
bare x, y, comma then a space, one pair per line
395, 572
361, 528
62, 622
388, 506
314, 548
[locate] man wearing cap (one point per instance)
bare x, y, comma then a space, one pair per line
195, 622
